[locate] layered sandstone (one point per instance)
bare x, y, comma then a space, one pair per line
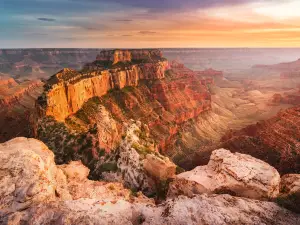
17, 105
68, 90
275, 140
116, 56
163, 100
11, 92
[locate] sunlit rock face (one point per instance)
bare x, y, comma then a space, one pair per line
67, 90
94, 103
237, 174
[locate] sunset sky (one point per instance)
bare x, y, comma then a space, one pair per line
155, 23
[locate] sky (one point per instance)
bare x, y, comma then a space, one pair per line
154, 23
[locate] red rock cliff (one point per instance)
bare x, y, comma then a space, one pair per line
67, 90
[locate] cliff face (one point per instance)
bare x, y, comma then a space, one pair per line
11, 92
68, 89
17, 104
275, 141
89, 109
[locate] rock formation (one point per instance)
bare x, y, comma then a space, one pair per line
68, 90
290, 184
138, 162
36, 191
275, 141
285, 67
17, 104
237, 174
88, 109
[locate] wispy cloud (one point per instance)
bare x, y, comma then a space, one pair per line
146, 32
46, 19
123, 20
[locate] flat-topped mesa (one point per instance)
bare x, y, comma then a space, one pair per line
210, 73
66, 91
137, 55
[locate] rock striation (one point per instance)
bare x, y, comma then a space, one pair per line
237, 174
275, 140
68, 90
96, 106
11, 92
17, 105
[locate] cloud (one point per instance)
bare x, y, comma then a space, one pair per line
146, 32
162, 5
126, 35
46, 19
123, 20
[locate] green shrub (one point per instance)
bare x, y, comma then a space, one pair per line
291, 202
142, 150
107, 167
179, 170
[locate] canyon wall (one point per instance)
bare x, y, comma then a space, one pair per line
95, 103
67, 90
17, 105
275, 140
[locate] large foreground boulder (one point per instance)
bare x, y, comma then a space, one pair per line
232, 173
28, 175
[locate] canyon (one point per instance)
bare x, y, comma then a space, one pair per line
17, 106
150, 141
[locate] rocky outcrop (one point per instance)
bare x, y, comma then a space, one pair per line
117, 56
29, 176
237, 174
68, 90
139, 163
36, 191
276, 141
41, 181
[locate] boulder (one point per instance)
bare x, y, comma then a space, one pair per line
28, 175
159, 167
290, 184
75, 170
232, 173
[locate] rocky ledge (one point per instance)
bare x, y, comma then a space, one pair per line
33, 190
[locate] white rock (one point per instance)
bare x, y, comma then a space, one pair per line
28, 175
233, 173
199, 210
